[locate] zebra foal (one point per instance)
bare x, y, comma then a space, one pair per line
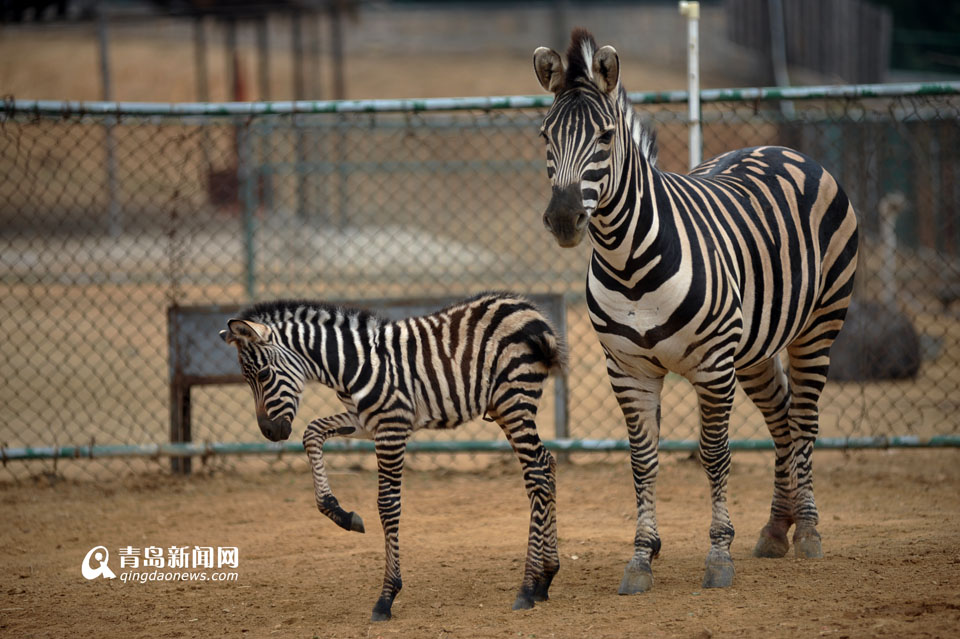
709, 275
486, 356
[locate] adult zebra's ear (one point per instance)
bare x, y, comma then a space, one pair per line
246, 331
606, 68
549, 69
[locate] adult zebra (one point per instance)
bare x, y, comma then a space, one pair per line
486, 356
709, 275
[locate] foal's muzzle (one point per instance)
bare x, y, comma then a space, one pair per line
274, 430
565, 216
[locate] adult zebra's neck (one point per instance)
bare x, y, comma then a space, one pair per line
629, 235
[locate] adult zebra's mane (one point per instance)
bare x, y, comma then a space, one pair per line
580, 70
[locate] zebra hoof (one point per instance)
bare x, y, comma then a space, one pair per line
637, 577
381, 611
719, 572
806, 543
523, 602
540, 594
541, 590
770, 545
356, 523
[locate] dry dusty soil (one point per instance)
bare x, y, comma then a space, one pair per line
890, 526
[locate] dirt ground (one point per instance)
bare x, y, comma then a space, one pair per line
890, 525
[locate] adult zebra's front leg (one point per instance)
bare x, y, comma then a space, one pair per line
715, 384
639, 399
390, 443
316, 433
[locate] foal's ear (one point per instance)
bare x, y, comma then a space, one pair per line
228, 337
246, 331
548, 66
606, 68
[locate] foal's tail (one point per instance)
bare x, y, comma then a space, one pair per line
546, 344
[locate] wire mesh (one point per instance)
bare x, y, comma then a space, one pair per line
107, 219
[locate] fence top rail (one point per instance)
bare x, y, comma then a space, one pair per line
65, 108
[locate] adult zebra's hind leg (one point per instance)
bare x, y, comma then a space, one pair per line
809, 361
766, 385
809, 357
539, 479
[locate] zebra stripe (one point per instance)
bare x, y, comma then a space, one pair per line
710, 275
487, 356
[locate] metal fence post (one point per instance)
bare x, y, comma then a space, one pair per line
180, 427
248, 195
113, 207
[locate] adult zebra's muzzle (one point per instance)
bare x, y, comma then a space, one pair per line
274, 430
565, 216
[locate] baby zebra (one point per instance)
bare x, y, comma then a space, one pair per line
487, 356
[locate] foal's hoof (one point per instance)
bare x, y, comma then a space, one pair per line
381, 610
356, 523
523, 602
771, 545
637, 577
719, 572
380, 616
806, 543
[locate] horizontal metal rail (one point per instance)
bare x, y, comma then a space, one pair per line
564, 445
65, 108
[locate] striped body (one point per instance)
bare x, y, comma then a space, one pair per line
730, 262
487, 356
709, 275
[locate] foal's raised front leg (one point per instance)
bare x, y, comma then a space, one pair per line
316, 433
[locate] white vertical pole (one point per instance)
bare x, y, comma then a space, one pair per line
691, 11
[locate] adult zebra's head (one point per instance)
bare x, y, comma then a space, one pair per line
585, 131
272, 372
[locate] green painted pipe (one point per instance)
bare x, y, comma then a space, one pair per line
60, 108
563, 445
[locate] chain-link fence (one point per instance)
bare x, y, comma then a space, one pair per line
109, 214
